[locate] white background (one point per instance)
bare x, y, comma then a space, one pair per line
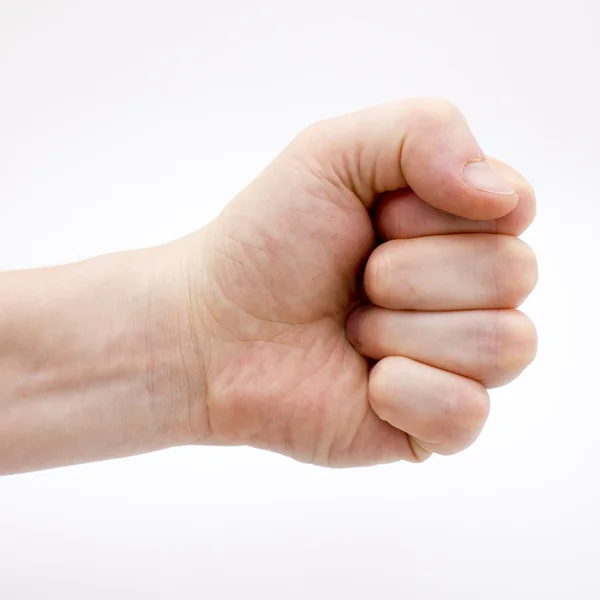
128, 123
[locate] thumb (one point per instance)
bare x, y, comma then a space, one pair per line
425, 144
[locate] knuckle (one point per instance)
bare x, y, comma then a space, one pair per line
317, 131
324, 135
378, 275
379, 378
516, 333
516, 345
516, 271
315, 144
466, 411
436, 111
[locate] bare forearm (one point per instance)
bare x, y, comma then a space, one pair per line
87, 371
247, 332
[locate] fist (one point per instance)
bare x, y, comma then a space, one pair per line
354, 302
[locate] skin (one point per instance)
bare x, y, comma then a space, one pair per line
349, 307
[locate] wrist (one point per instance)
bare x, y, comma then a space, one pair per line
90, 363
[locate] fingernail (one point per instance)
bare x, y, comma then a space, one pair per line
480, 175
353, 325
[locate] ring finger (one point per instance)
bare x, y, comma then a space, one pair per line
490, 346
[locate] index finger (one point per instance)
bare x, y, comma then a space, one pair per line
403, 215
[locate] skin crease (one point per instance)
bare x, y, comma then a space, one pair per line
281, 271
349, 307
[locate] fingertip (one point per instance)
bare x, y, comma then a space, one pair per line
445, 166
518, 220
353, 324
495, 195
481, 175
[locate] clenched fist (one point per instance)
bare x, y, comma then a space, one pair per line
349, 307
357, 299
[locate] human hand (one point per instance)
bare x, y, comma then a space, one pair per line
278, 335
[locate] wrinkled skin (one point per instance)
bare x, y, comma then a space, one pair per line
285, 279
272, 281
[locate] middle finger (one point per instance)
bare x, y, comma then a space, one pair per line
451, 272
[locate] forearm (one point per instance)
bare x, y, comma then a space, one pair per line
90, 363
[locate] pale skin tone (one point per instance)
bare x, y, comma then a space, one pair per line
349, 307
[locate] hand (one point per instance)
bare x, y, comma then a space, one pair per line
283, 335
